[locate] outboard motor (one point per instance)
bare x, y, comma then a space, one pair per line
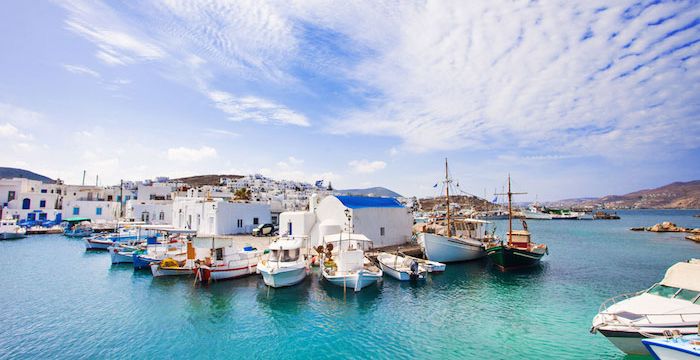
414, 270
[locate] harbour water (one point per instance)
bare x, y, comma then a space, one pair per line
61, 302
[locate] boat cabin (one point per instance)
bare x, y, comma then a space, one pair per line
519, 238
682, 282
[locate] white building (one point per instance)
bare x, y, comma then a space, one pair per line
217, 216
383, 220
158, 212
97, 211
25, 199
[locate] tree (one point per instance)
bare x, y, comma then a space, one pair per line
242, 194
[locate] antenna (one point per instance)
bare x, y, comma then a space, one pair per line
84, 172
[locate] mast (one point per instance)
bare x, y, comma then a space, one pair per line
447, 199
510, 213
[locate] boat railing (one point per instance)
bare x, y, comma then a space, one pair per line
646, 319
616, 299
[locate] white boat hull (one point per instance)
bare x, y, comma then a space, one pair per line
120, 257
531, 215
399, 275
445, 249
673, 350
630, 340
158, 271
97, 245
283, 276
356, 282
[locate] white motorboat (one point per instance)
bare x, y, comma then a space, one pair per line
674, 347
401, 268
344, 263
671, 305
534, 212
10, 230
285, 266
224, 260
430, 266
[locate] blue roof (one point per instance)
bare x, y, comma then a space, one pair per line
359, 202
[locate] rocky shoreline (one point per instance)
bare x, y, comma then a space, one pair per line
667, 226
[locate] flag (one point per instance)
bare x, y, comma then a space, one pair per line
494, 199
435, 185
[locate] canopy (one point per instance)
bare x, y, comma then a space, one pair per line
684, 275
345, 236
360, 202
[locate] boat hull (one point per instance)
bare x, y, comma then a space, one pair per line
671, 349
159, 271
531, 215
513, 258
444, 249
630, 341
355, 281
120, 257
283, 276
91, 244
10, 236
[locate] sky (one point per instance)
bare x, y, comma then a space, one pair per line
572, 99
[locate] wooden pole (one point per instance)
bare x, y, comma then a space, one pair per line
447, 199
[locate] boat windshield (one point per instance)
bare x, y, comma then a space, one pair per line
284, 255
663, 290
686, 294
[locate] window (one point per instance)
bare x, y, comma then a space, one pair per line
76, 211
42, 203
10, 196
43, 191
127, 198
289, 228
42, 216
220, 254
239, 223
26, 203
256, 221
98, 211
663, 290
161, 216
109, 197
686, 294
381, 231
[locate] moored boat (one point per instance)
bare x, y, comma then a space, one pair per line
674, 347
401, 268
519, 251
286, 265
347, 267
430, 266
10, 230
672, 305
226, 261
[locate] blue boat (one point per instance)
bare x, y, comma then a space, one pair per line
672, 348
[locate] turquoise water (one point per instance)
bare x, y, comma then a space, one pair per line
60, 302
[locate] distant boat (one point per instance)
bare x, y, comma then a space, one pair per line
10, 230
602, 215
535, 212
457, 240
519, 251
401, 268
672, 305
563, 214
286, 265
348, 267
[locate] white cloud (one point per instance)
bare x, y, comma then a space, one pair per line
365, 166
221, 133
251, 108
17, 115
81, 70
190, 154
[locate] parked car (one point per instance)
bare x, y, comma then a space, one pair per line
264, 230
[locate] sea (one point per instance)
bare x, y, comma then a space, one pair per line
58, 301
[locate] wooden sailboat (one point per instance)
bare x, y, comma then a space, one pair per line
519, 251
441, 243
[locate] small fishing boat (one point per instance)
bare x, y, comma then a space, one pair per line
401, 268
286, 265
456, 240
430, 266
672, 305
77, 227
98, 243
171, 245
348, 267
10, 230
674, 346
226, 261
519, 251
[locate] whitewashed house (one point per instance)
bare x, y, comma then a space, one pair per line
159, 212
216, 216
383, 220
31, 200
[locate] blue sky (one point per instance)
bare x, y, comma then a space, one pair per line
571, 99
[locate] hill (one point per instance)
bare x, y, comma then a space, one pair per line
678, 195
464, 201
201, 180
373, 191
8, 173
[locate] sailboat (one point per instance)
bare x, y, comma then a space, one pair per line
519, 251
459, 240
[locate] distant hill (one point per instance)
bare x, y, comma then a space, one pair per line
8, 173
201, 180
678, 195
373, 191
